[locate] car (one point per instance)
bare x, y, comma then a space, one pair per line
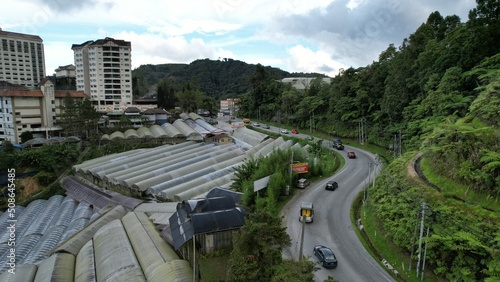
265, 126
256, 124
337, 144
295, 131
284, 131
325, 256
310, 138
351, 155
303, 183
331, 185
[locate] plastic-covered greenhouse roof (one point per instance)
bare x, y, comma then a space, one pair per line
35, 141
120, 247
116, 135
52, 243
172, 130
249, 136
177, 172
188, 131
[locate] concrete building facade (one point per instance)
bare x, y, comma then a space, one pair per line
104, 72
37, 111
22, 59
230, 106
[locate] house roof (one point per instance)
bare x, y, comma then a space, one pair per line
19, 35
21, 93
7, 85
39, 93
204, 216
73, 93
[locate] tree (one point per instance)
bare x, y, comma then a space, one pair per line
69, 116
25, 136
257, 248
78, 117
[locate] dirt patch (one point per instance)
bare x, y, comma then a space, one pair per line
30, 186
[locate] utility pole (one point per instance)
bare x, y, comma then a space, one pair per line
362, 134
302, 237
400, 149
425, 253
291, 170
413, 241
420, 240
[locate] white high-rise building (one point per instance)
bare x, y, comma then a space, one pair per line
104, 72
22, 60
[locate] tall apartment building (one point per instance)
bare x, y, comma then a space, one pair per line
104, 72
22, 59
35, 110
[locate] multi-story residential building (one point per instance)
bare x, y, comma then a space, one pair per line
23, 109
230, 106
22, 59
65, 78
103, 71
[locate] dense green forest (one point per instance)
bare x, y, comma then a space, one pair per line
218, 79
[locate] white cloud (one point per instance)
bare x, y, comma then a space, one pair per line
59, 50
303, 59
296, 35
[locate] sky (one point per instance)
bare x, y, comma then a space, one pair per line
321, 36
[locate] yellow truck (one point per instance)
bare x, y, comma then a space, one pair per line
246, 120
306, 212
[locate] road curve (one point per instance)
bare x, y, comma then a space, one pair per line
332, 224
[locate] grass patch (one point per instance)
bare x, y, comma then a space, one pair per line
464, 192
214, 267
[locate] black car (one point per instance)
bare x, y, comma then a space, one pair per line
331, 185
325, 256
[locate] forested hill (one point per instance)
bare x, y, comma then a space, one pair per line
217, 78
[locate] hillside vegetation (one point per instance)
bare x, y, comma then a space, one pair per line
218, 79
439, 93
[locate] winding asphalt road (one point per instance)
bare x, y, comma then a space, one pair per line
332, 224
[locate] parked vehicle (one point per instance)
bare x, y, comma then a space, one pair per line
265, 126
337, 144
306, 212
331, 185
310, 138
351, 155
295, 131
325, 256
303, 183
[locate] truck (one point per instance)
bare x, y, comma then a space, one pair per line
337, 144
306, 212
246, 120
